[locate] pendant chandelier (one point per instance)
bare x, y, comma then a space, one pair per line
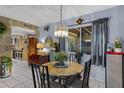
61, 30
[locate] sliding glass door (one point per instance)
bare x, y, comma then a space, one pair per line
80, 38
74, 40
86, 39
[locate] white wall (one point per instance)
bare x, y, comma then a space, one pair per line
116, 22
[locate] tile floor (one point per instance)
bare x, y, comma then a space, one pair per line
21, 77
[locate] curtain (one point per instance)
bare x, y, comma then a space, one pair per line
99, 41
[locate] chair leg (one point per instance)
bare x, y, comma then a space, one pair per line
33, 76
48, 81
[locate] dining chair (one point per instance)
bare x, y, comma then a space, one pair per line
33, 59
77, 83
44, 58
85, 82
39, 59
41, 78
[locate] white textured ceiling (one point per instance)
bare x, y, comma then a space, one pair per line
43, 14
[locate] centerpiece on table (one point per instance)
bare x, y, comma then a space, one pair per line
60, 57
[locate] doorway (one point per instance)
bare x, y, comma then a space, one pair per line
19, 40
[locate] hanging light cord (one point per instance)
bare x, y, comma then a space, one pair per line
61, 13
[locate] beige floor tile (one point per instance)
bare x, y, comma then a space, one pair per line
20, 86
101, 84
28, 82
22, 78
3, 85
93, 83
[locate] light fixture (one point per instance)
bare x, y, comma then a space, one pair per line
79, 20
40, 46
61, 30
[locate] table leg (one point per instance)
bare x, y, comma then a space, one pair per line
68, 80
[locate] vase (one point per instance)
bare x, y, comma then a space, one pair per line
4, 71
61, 64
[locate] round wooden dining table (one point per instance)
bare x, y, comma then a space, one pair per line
67, 73
72, 69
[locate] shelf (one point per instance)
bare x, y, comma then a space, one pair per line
115, 53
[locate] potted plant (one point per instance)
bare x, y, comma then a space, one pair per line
60, 57
79, 55
3, 28
5, 66
118, 45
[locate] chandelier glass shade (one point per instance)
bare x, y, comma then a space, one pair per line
61, 30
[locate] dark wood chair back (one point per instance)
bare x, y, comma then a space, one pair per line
85, 82
40, 76
39, 59
33, 59
44, 59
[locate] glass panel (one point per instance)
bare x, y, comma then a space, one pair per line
74, 40
86, 39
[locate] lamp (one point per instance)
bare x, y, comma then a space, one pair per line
46, 45
61, 30
40, 46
